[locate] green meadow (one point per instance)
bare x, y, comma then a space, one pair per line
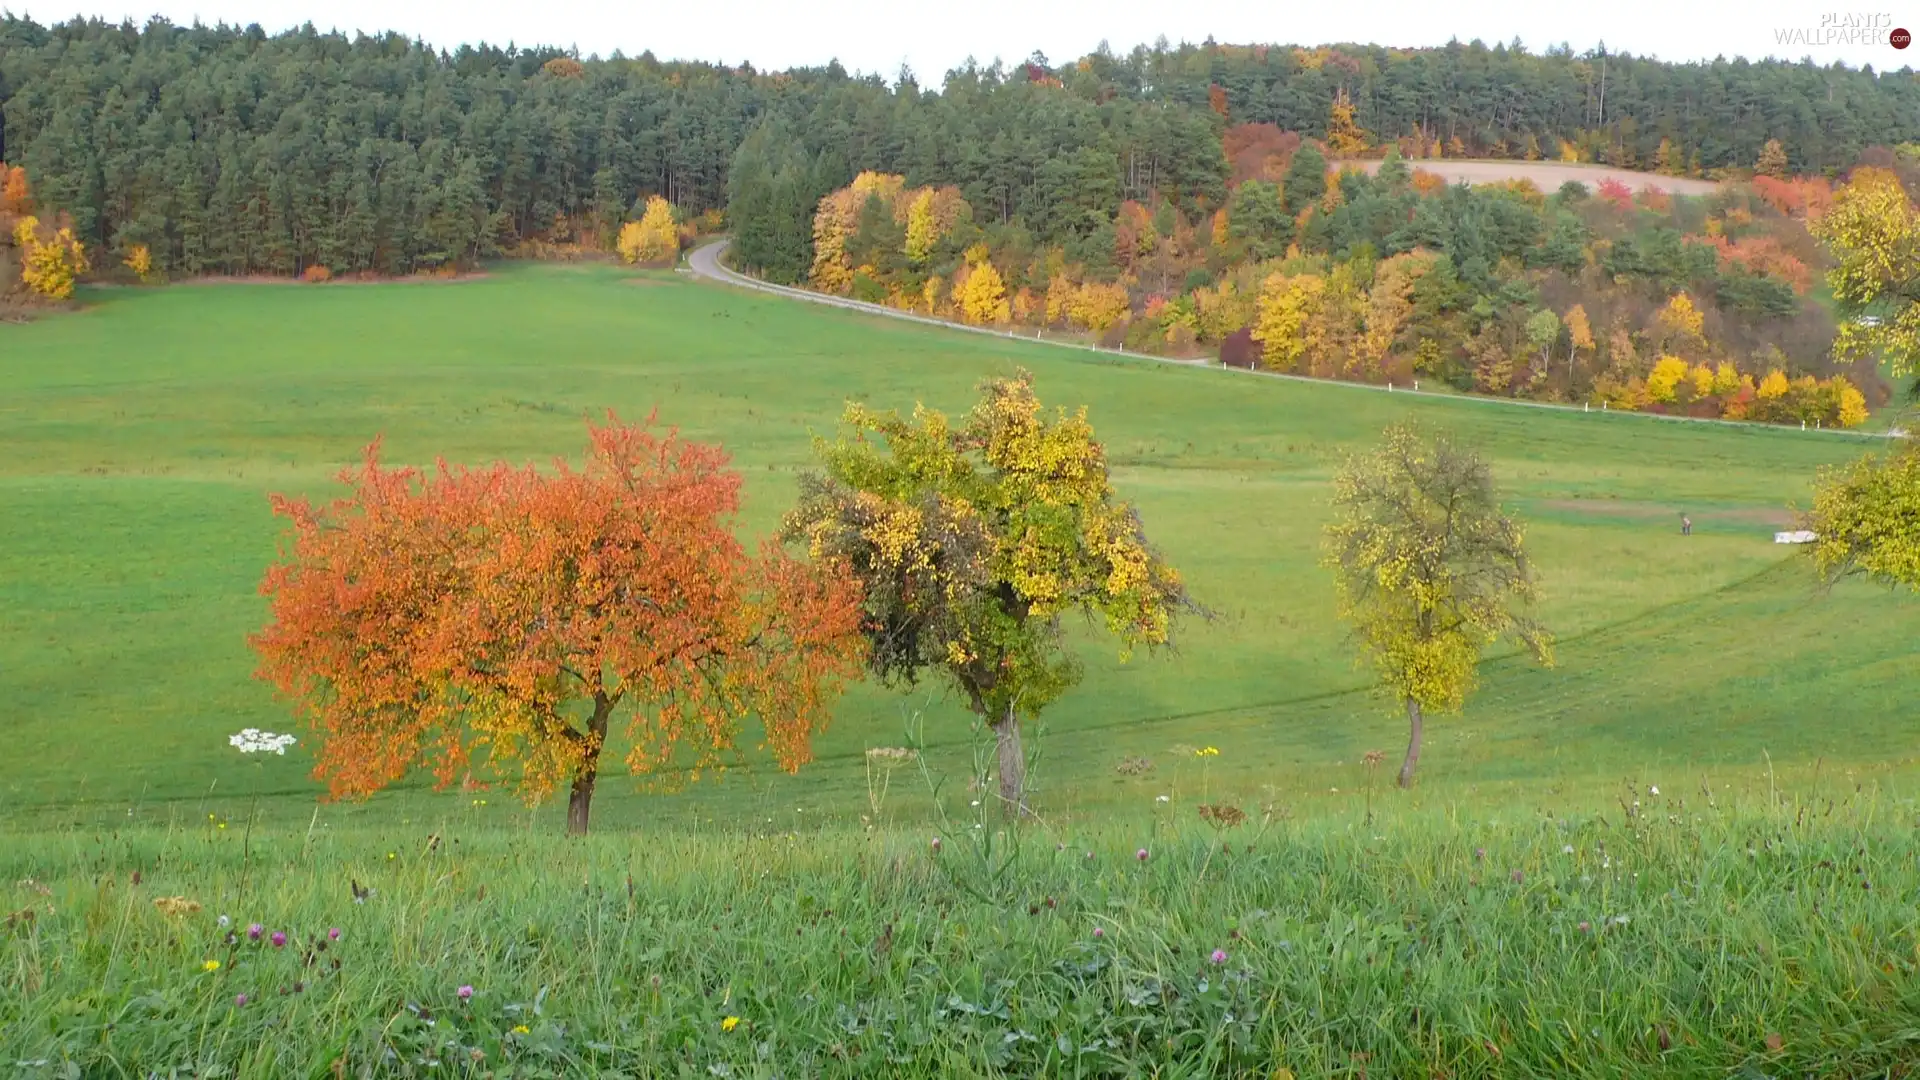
144, 435
1685, 850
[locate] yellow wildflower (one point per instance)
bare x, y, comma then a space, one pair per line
729, 1023
211, 965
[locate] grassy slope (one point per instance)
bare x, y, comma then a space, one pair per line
142, 436
1697, 940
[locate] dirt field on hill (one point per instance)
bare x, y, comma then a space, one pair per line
1549, 175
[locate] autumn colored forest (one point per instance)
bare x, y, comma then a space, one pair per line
442, 639
1187, 201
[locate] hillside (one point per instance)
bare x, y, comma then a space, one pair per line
148, 430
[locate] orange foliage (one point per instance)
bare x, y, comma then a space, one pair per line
1133, 233
316, 273
1804, 197
433, 614
1654, 198
1257, 152
1427, 183
1764, 255
564, 67
16, 198
1217, 99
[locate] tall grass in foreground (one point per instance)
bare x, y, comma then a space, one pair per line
1673, 935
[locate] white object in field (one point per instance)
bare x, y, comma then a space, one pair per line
1797, 536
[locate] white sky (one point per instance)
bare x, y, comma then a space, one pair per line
878, 35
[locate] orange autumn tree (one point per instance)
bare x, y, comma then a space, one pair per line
432, 616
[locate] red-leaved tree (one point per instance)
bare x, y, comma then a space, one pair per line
433, 616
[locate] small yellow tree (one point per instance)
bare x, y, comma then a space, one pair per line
49, 265
923, 231
1345, 137
654, 237
1773, 160
140, 261
1285, 307
1666, 377
983, 296
1098, 306
1428, 571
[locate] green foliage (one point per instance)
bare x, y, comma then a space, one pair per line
1257, 219
1306, 179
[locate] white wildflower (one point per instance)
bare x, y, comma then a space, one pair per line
1160, 798
255, 741
1653, 789
1568, 850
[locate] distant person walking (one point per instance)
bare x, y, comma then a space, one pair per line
1686, 525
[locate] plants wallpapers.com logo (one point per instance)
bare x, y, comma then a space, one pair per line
1847, 28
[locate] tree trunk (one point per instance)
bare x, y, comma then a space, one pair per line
1012, 763
1413, 744
580, 798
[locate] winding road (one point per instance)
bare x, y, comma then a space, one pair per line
704, 262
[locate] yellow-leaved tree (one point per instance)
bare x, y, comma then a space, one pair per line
983, 294
973, 541
1873, 231
1428, 571
140, 261
1345, 137
1098, 306
1579, 336
655, 237
1286, 306
50, 260
1866, 518
1681, 320
838, 216
1666, 377
922, 230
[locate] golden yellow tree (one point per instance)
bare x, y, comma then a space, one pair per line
1665, 378
1390, 301
1774, 386
983, 295
1726, 379
140, 261
1345, 137
654, 237
922, 231
837, 217
1701, 376
1098, 306
49, 264
1286, 306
